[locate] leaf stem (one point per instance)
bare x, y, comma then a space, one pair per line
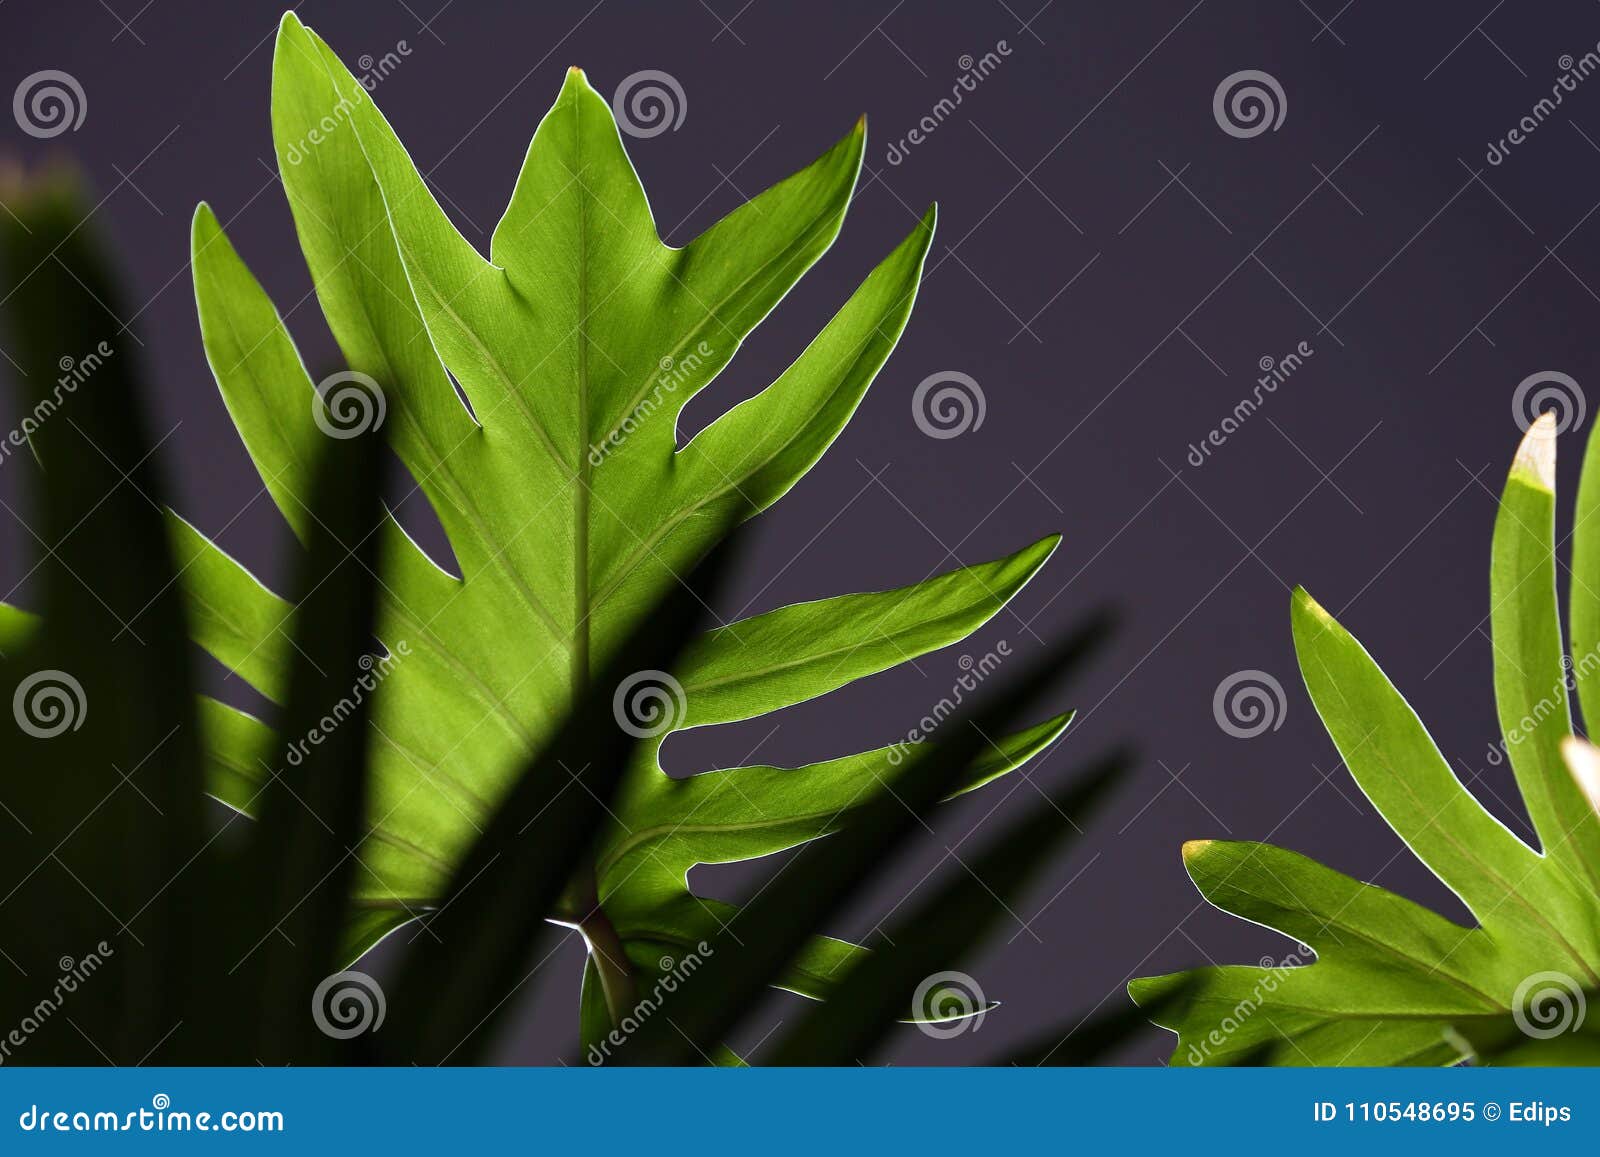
610, 962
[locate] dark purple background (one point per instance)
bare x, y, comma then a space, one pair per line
1110, 268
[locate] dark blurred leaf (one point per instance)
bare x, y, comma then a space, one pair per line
821, 878
471, 954
940, 931
103, 775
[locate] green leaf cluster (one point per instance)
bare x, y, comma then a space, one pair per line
1393, 982
533, 395
141, 931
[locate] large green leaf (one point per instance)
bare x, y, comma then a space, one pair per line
1392, 982
229, 944
558, 479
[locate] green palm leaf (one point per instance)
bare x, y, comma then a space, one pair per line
1394, 983
568, 504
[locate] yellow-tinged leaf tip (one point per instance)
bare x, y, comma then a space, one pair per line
1194, 849
1302, 600
861, 123
1583, 761
576, 73
1536, 457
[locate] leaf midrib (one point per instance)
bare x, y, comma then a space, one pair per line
658, 831
580, 494
756, 673
1384, 948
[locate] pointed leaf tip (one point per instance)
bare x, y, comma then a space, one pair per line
1536, 456
1583, 761
1302, 603
203, 228
577, 80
